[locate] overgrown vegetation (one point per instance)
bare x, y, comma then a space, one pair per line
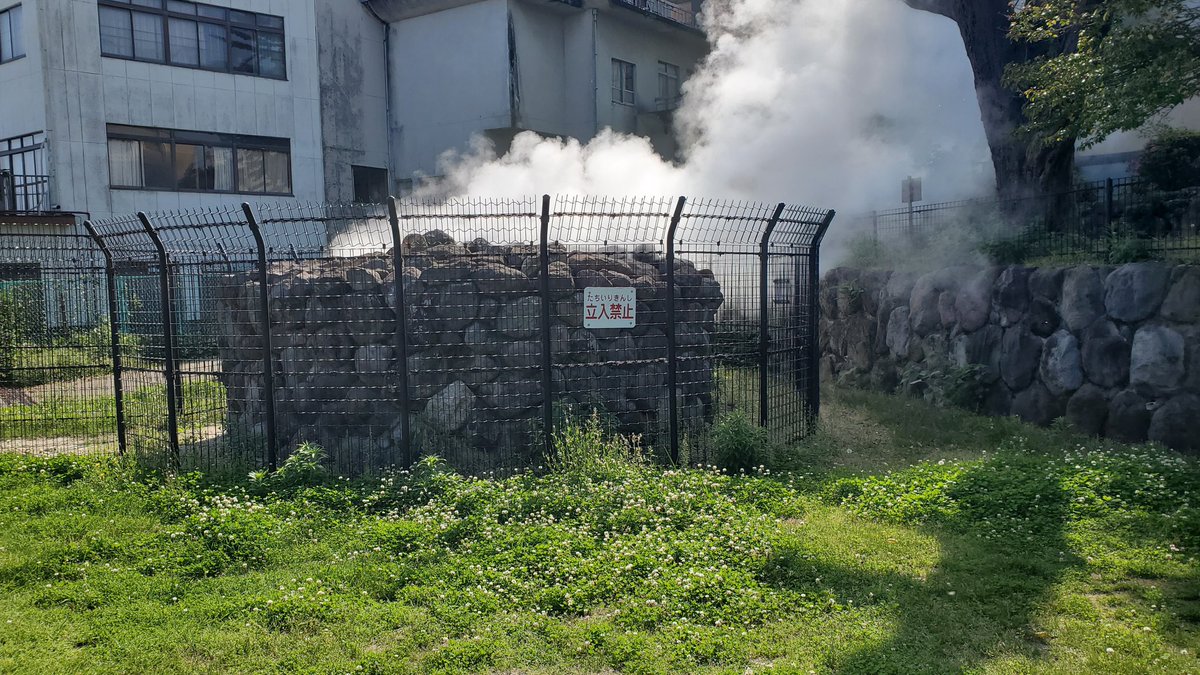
911, 539
943, 383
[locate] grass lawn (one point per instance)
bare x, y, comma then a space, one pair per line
905, 539
73, 413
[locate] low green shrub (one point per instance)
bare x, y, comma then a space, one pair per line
304, 468
587, 447
741, 445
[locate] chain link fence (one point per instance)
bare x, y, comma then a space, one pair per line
222, 339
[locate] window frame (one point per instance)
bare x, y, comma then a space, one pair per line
235, 142
671, 75
13, 29
257, 23
623, 73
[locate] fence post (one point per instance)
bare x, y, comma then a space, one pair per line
874, 234
764, 313
672, 366
799, 273
547, 357
114, 329
168, 328
401, 308
812, 401
268, 356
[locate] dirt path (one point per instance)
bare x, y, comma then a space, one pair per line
100, 444
101, 385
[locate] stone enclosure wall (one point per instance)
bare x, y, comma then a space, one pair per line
475, 370
1114, 350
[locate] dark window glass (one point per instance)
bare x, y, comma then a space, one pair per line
116, 32
211, 12
156, 165
229, 40
241, 53
184, 44
12, 44
270, 55
214, 47
189, 166
277, 170
370, 184
147, 36
250, 170
6, 36
218, 166
163, 159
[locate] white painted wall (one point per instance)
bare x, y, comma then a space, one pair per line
22, 106
443, 94
85, 91
450, 77
542, 66
625, 35
579, 62
353, 67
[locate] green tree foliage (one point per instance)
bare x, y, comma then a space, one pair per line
1132, 61
1171, 160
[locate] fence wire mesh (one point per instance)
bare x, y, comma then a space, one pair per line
223, 339
1102, 221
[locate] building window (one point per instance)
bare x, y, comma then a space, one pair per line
370, 184
623, 80
192, 161
24, 183
668, 86
193, 35
12, 45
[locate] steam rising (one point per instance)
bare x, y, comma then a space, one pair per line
824, 102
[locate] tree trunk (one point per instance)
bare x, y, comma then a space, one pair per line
1024, 163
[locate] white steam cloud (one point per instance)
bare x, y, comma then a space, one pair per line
824, 102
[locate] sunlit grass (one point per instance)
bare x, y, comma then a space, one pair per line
907, 539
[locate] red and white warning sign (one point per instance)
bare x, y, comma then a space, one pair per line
609, 307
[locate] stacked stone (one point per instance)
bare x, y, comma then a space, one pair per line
1114, 350
475, 365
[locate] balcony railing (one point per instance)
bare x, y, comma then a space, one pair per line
663, 10
23, 193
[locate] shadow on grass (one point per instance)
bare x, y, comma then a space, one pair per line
1002, 549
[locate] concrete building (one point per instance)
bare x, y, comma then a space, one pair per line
115, 106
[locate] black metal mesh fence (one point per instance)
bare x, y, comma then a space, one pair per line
471, 329
1103, 221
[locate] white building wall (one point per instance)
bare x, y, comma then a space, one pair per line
450, 79
581, 89
354, 106
86, 91
643, 41
540, 53
22, 105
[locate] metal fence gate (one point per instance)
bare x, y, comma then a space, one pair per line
226, 337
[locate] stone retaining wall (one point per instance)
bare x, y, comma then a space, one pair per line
1115, 350
474, 341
